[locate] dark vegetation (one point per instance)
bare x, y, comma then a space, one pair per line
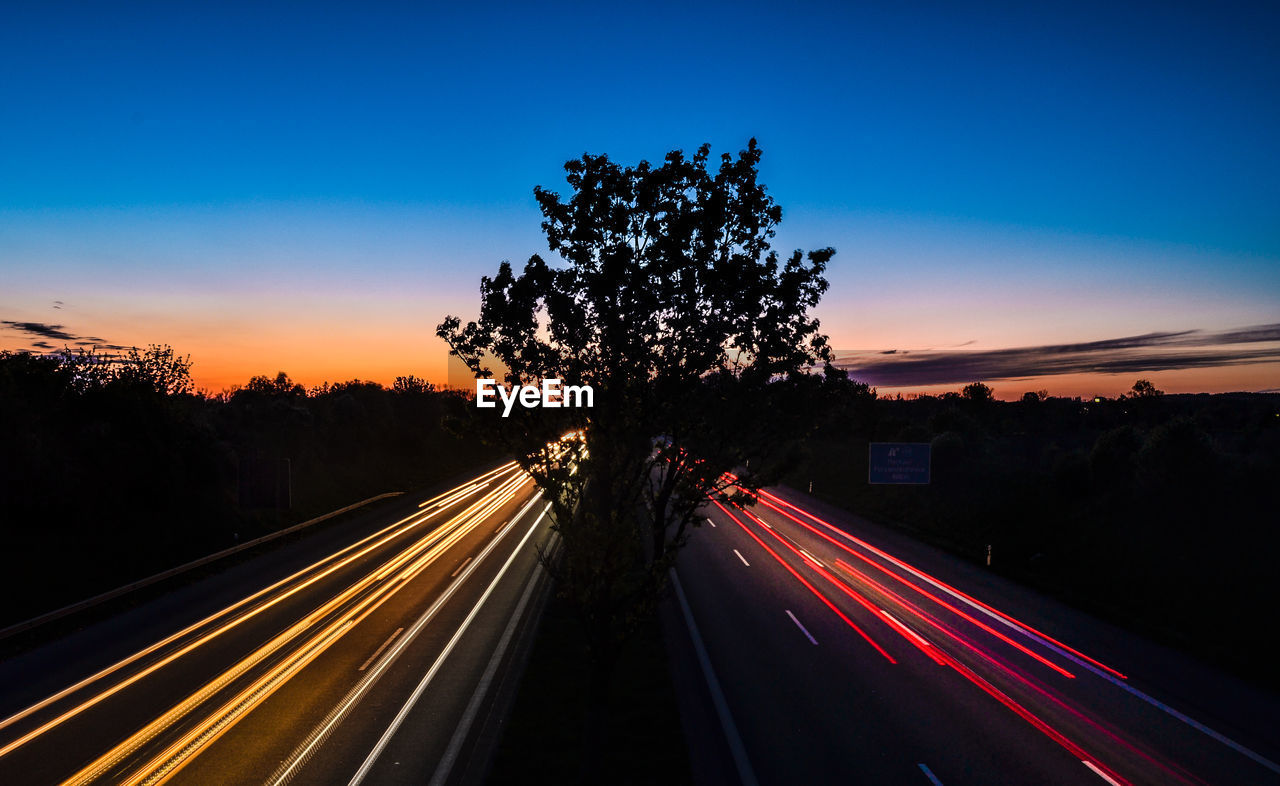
113, 468
668, 300
1158, 511
543, 740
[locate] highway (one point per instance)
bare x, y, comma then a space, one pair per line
373, 652
368, 654
842, 652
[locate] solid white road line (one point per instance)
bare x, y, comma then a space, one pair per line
290, 766
372, 758
928, 773
1100, 773
802, 628
744, 559
736, 748
378, 651
482, 689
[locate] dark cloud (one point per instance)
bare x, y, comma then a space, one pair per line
1251, 334
57, 333
40, 329
1149, 352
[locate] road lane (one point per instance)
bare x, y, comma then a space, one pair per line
229, 694
911, 672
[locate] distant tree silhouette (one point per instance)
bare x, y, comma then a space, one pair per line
157, 368
697, 340
1158, 508
1143, 388
412, 384
113, 468
281, 385
977, 392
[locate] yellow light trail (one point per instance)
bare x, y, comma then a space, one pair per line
390, 578
381, 538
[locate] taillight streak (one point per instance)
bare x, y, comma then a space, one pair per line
847, 590
944, 658
953, 609
809, 586
923, 576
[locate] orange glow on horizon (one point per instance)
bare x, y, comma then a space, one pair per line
1256, 377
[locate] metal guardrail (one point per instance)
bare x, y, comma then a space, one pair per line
47, 617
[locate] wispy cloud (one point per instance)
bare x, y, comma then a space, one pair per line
40, 329
43, 331
1149, 352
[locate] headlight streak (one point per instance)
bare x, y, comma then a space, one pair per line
289, 767
416, 695
417, 518
415, 558
444, 500
179, 752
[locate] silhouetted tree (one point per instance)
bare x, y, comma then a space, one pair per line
280, 386
976, 392
157, 368
1032, 397
412, 384
1143, 388
697, 340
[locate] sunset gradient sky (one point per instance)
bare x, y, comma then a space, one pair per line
280, 187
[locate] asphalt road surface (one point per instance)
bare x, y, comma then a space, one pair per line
369, 654
846, 653
827, 649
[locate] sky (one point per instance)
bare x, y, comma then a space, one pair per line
1061, 197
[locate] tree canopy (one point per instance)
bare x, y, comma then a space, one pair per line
697, 339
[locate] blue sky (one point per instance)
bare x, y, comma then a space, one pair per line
1009, 176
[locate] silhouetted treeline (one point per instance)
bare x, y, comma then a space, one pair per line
1157, 510
114, 469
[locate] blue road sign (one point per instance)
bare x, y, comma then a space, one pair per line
898, 462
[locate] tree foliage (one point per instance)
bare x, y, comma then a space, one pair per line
1156, 509
112, 469
1144, 388
977, 392
697, 339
